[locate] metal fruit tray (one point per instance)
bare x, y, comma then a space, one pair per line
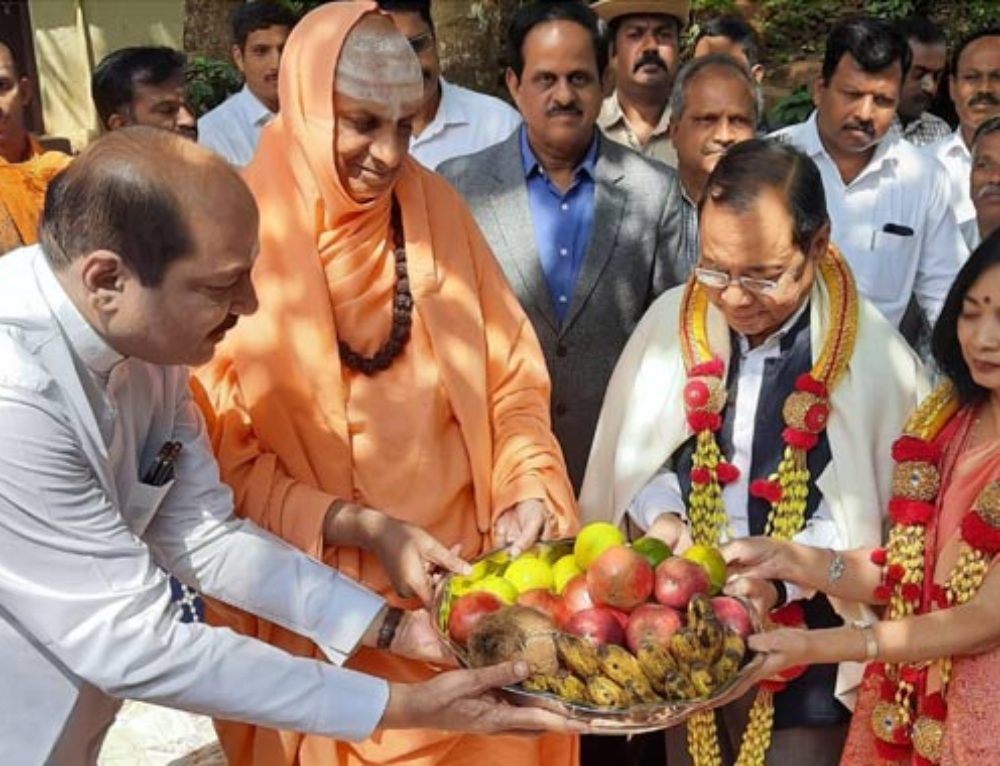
636, 719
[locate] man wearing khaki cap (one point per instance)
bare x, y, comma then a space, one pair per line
644, 36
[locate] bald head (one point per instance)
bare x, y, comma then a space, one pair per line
378, 65
144, 194
15, 95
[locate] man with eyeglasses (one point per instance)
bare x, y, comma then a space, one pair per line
454, 121
767, 378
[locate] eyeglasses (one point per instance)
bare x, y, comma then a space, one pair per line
421, 42
720, 280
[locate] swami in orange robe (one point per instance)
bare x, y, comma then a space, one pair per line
22, 194
454, 432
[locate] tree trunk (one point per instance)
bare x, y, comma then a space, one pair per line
472, 41
206, 27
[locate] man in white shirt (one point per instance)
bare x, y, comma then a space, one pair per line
889, 204
975, 89
453, 121
644, 37
233, 128
929, 50
709, 403
107, 476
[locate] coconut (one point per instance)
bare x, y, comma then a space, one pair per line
515, 633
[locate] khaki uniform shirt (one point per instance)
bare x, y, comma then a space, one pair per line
615, 126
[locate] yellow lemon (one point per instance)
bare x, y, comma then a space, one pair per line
564, 570
712, 561
498, 586
529, 573
593, 540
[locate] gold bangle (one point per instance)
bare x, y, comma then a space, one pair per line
871, 641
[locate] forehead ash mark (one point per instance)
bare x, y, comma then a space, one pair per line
377, 64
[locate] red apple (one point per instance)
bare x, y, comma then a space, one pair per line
678, 579
733, 614
598, 624
469, 610
547, 602
576, 595
620, 577
652, 622
619, 615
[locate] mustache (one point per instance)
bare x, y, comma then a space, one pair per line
866, 127
989, 189
570, 109
650, 57
985, 98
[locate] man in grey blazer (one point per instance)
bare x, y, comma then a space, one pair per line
587, 231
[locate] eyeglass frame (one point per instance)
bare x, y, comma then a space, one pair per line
752, 285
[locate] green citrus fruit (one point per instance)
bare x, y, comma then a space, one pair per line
529, 573
564, 570
654, 549
712, 561
498, 586
593, 540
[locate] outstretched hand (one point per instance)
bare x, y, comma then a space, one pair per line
412, 557
673, 531
465, 700
762, 558
522, 525
416, 639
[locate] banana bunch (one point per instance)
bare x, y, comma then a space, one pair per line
699, 658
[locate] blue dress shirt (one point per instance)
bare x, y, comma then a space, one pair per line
563, 221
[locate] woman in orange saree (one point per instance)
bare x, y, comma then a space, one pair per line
931, 693
388, 367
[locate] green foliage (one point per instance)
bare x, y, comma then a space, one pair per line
792, 109
210, 81
890, 9
706, 9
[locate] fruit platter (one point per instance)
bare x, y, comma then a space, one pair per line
625, 636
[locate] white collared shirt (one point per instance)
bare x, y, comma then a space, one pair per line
466, 122
893, 223
663, 492
85, 609
233, 128
957, 160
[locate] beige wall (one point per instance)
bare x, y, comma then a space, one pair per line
71, 36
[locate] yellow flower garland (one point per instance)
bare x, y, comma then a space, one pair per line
805, 414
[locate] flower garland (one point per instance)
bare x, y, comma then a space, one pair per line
806, 412
907, 721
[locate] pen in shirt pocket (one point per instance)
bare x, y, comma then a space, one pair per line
162, 470
896, 229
